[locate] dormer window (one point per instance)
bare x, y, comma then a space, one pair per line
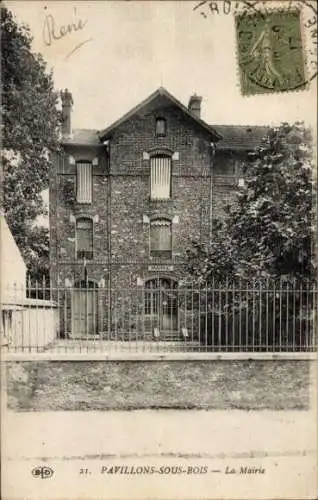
161, 127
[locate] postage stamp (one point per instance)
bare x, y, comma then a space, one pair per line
270, 52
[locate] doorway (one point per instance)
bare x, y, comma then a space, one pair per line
84, 309
161, 303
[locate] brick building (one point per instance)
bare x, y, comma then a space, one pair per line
125, 203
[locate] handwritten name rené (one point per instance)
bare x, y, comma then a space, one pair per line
52, 31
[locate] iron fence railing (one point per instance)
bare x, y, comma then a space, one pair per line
266, 316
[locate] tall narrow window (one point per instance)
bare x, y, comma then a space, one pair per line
161, 238
84, 238
160, 177
84, 182
161, 127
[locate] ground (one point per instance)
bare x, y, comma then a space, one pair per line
190, 452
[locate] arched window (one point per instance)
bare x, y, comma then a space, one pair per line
161, 238
160, 177
84, 238
84, 182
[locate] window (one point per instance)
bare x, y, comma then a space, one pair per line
161, 127
160, 177
161, 238
84, 182
84, 238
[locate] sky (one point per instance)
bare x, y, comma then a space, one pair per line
129, 49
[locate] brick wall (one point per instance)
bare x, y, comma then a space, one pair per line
130, 192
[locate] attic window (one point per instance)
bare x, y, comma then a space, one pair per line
161, 127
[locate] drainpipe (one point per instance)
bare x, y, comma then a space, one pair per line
213, 148
109, 245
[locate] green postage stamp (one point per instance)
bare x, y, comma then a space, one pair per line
270, 52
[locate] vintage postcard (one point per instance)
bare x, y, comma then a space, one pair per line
158, 250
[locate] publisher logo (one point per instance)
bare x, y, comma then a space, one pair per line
43, 472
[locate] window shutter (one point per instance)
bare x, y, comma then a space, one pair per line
160, 177
84, 182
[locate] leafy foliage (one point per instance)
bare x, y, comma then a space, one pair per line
30, 136
268, 232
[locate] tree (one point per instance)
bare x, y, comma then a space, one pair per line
30, 131
268, 231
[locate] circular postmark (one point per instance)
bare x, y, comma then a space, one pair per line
42, 471
276, 41
277, 47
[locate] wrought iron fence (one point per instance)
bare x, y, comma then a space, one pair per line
257, 316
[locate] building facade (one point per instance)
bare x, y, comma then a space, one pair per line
125, 204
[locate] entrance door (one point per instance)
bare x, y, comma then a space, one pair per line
84, 310
161, 303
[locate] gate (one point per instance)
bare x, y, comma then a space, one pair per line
84, 309
161, 303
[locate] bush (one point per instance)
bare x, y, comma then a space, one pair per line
259, 333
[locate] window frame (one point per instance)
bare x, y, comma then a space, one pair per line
86, 162
153, 157
90, 255
161, 119
155, 253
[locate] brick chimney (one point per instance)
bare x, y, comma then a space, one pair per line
194, 105
67, 102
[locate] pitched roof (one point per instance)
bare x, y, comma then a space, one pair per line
163, 93
234, 137
240, 137
228, 137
